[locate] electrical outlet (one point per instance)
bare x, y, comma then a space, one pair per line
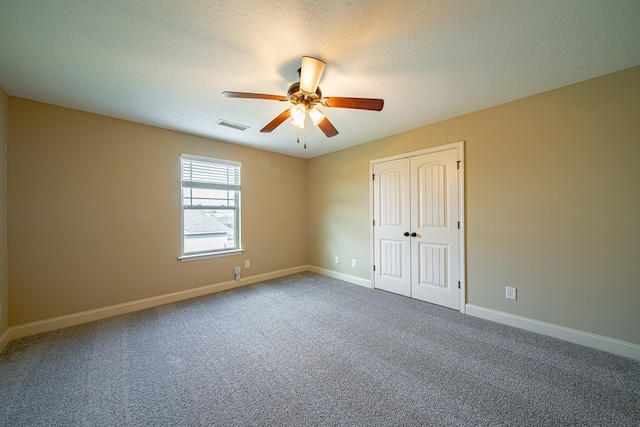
247, 263
236, 270
353, 263
337, 259
510, 292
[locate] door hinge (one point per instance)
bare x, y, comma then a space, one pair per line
458, 225
458, 164
458, 284
373, 177
374, 222
374, 267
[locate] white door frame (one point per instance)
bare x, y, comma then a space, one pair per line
459, 146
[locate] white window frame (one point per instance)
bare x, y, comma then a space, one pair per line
211, 182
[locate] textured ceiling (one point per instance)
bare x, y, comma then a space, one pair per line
165, 63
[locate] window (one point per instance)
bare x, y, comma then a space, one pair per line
210, 206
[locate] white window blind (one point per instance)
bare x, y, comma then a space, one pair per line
213, 174
211, 205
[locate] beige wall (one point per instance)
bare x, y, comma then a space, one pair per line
94, 212
4, 290
552, 204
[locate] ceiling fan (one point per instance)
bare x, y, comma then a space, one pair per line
305, 96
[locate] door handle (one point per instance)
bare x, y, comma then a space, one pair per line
406, 234
413, 234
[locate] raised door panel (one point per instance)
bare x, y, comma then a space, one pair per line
391, 259
432, 195
391, 197
433, 261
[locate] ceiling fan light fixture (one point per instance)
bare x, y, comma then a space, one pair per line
316, 116
298, 116
297, 123
310, 74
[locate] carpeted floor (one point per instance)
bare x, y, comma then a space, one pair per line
309, 350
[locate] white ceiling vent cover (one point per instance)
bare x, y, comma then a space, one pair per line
232, 125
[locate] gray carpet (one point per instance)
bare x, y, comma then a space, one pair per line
309, 350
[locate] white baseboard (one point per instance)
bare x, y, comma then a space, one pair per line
341, 276
600, 342
46, 325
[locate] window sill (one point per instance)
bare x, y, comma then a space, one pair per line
194, 257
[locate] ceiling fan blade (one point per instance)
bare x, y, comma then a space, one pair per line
310, 73
327, 127
249, 95
372, 104
277, 121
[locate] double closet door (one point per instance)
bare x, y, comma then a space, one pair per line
417, 236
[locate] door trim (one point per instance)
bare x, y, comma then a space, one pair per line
459, 146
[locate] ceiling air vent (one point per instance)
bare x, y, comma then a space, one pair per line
232, 125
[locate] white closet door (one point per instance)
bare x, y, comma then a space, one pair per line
391, 193
434, 220
417, 239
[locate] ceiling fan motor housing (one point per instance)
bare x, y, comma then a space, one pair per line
298, 96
